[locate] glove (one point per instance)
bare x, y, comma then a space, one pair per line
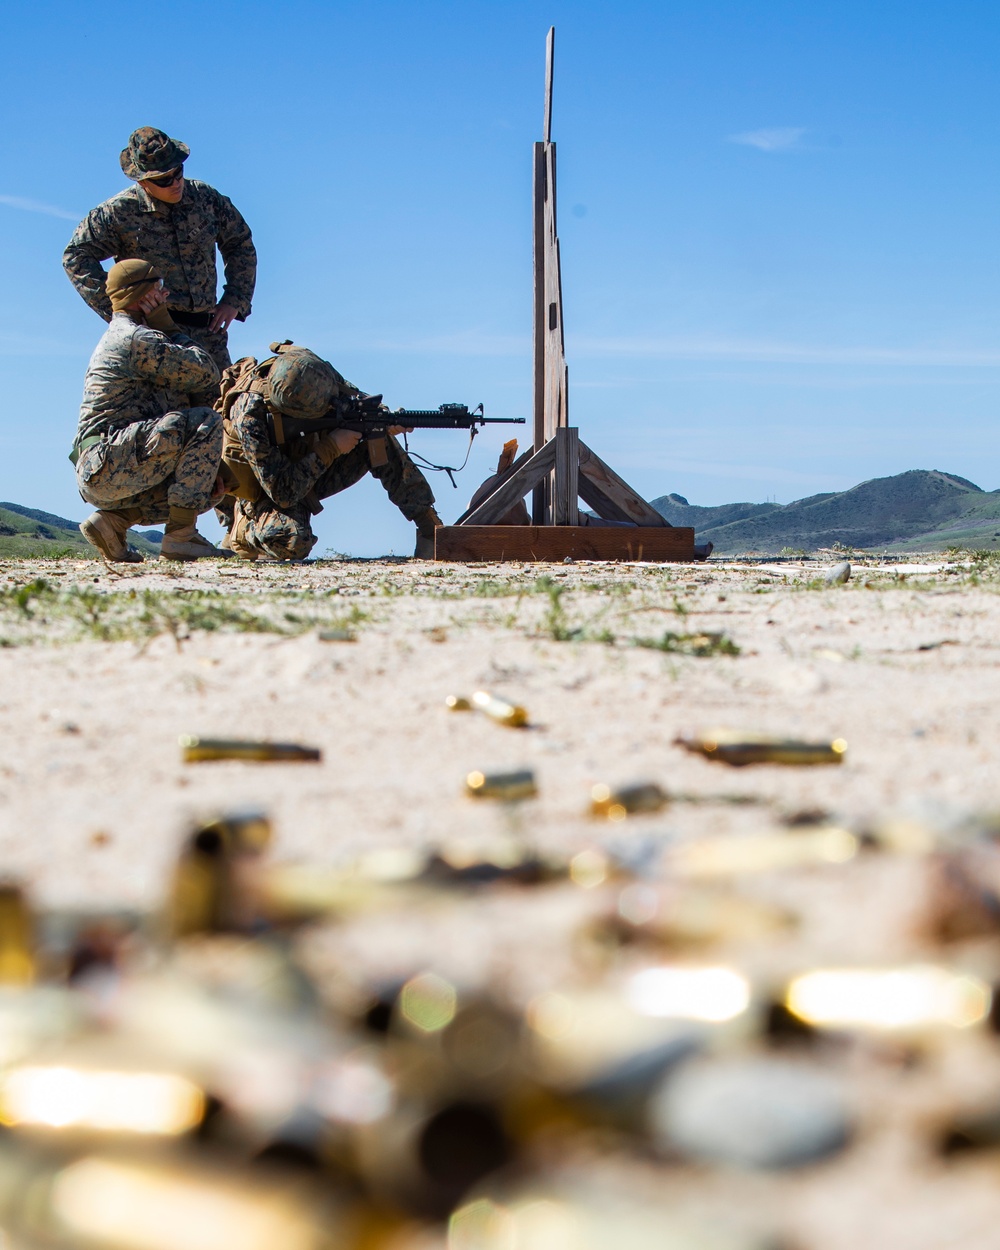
160, 319
333, 443
325, 447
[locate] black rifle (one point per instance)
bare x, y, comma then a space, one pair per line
369, 416
372, 420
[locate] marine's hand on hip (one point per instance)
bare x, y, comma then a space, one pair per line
223, 317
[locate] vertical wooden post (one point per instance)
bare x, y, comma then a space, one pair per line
551, 391
540, 495
555, 351
545, 270
567, 479
550, 68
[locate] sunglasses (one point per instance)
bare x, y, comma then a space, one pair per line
168, 179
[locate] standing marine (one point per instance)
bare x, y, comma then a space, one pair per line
142, 455
176, 224
278, 482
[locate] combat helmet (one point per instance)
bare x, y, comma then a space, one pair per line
300, 384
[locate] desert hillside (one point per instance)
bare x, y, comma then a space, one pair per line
921, 510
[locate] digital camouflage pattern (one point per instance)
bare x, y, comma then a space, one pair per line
149, 456
152, 466
216, 343
138, 374
180, 239
278, 523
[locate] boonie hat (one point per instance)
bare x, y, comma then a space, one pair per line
150, 152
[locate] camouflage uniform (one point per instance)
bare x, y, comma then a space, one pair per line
278, 522
150, 453
180, 239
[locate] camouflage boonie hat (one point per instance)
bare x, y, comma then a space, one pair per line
302, 385
150, 151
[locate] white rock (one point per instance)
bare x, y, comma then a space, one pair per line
755, 1113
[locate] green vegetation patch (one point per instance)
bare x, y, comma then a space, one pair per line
700, 645
41, 611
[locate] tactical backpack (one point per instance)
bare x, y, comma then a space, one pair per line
246, 375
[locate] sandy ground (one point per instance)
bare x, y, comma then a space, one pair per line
903, 662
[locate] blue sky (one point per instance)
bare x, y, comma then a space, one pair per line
778, 223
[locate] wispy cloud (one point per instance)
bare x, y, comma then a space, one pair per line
771, 139
682, 348
35, 206
461, 343
650, 458
777, 352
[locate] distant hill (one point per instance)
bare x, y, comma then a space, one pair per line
922, 510
32, 532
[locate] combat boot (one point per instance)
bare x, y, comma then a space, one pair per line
426, 524
236, 540
181, 540
106, 530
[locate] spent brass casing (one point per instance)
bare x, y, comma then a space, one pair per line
740, 749
500, 710
507, 786
737, 854
79, 1200
616, 804
196, 750
458, 703
17, 937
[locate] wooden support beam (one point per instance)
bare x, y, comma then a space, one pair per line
519, 463
538, 465
631, 504
538, 543
550, 66
540, 498
566, 491
602, 504
555, 394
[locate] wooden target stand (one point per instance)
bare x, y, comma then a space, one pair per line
560, 469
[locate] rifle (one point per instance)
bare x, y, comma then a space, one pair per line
372, 420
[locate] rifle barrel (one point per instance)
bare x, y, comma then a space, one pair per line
449, 417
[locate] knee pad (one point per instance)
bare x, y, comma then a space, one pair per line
289, 546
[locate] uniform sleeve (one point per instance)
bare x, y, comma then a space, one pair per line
93, 241
239, 258
172, 363
285, 481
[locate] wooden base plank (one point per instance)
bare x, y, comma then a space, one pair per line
539, 543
